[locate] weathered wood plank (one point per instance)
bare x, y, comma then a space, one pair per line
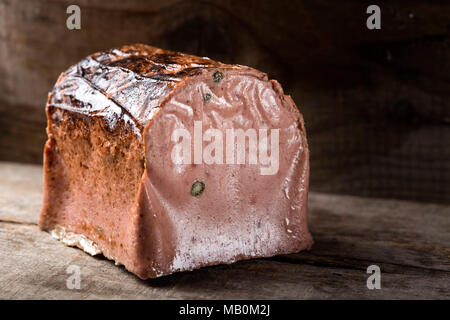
409, 241
390, 231
34, 266
20, 192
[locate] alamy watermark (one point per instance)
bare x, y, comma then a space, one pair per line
374, 20
374, 280
73, 21
73, 282
190, 150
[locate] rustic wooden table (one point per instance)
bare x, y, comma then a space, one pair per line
409, 241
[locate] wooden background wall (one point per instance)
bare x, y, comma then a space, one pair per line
376, 103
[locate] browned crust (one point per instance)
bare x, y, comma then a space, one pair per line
134, 79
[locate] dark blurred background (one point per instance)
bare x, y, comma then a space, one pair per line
375, 102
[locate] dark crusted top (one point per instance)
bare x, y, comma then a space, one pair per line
126, 84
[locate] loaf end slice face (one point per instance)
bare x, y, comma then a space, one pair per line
167, 162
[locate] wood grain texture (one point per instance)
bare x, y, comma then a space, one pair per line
409, 241
376, 103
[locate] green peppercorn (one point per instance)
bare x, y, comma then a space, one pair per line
207, 97
197, 188
217, 76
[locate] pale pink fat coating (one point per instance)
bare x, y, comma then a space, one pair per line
241, 214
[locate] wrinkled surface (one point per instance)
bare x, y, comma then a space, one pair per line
109, 177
